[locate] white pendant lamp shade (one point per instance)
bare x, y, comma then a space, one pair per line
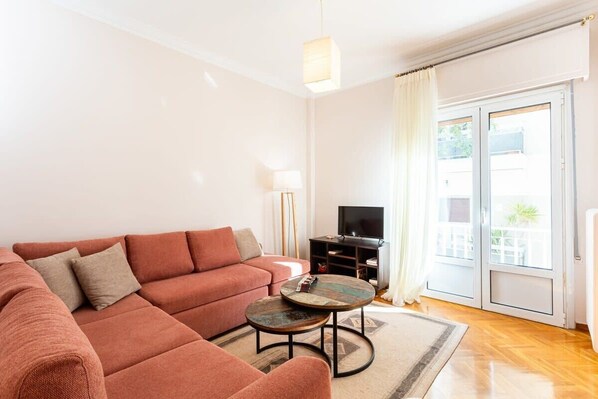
287, 180
321, 65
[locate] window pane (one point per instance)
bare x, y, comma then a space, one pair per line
455, 149
520, 186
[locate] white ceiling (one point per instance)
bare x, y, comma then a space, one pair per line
262, 39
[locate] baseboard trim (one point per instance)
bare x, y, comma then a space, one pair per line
582, 327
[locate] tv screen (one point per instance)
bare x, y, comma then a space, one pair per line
361, 221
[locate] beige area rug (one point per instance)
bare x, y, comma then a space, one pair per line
411, 349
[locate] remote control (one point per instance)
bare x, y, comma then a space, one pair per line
306, 283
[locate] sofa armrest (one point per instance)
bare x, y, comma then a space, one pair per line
7, 256
297, 378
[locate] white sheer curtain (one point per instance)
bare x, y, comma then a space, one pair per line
413, 205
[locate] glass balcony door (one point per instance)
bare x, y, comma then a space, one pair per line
500, 237
456, 275
522, 207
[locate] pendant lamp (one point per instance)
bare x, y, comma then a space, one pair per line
321, 62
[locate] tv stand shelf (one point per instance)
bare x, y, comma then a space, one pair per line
349, 258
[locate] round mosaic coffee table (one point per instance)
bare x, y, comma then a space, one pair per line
274, 315
335, 293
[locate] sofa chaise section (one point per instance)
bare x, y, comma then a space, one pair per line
281, 269
298, 378
132, 337
203, 370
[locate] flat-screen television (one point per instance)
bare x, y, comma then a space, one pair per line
361, 221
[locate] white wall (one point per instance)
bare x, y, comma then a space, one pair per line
353, 128
352, 152
102, 133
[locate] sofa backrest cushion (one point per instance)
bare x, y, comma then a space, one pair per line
43, 353
212, 249
16, 277
159, 256
35, 250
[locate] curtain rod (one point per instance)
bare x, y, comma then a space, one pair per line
583, 21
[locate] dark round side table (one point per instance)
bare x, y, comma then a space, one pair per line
274, 315
335, 293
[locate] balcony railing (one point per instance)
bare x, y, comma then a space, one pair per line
509, 245
461, 147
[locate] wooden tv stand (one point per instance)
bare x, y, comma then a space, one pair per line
351, 260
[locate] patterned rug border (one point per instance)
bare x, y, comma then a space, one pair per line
435, 369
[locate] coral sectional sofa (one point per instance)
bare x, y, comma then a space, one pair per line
150, 344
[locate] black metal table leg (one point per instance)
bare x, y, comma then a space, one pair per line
290, 343
359, 332
257, 341
362, 322
334, 344
322, 338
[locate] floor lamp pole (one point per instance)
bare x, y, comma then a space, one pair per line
295, 226
284, 225
291, 203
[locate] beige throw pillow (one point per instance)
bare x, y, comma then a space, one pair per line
247, 244
105, 277
58, 274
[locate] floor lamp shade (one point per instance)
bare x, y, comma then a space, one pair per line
286, 181
321, 65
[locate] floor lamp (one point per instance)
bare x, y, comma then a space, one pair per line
286, 181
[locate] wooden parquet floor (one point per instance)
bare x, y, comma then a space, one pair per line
507, 357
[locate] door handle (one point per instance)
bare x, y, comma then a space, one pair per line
484, 215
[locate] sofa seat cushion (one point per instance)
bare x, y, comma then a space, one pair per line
87, 314
159, 256
185, 292
35, 250
16, 277
43, 353
281, 268
124, 340
197, 370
